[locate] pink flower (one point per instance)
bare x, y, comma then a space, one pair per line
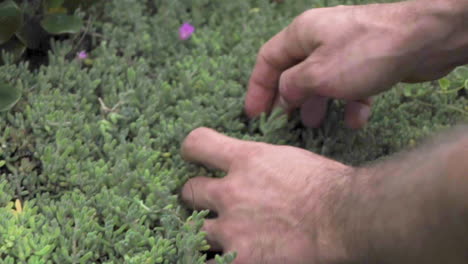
185, 31
82, 55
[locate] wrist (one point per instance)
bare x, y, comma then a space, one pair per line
447, 9
442, 28
340, 206
351, 217
412, 202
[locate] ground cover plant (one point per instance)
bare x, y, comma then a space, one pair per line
27, 26
89, 156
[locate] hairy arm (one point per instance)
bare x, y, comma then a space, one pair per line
412, 208
281, 204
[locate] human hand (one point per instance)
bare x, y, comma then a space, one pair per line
274, 206
352, 53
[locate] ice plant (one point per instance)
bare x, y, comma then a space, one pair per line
82, 55
185, 31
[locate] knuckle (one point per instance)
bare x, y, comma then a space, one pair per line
314, 71
263, 51
227, 193
253, 151
311, 77
231, 229
250, 158
303, 19
318, 79
228, 189
301, 25
287, 86
264, 55
325, 86
214, 189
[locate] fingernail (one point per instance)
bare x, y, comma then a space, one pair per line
364, 113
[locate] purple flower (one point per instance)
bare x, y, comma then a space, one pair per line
185, 31
82, 55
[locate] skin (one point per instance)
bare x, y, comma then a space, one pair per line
412, 208
280, 204
353, 53
260, 207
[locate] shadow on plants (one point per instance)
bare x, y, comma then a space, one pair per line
28, 26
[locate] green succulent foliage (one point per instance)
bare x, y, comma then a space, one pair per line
92, 151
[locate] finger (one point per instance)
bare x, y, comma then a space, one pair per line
202, 193
357, 113
313, 111
284, 50
300, 82
208, 147
211, 228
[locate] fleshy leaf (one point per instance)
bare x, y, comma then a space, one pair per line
461, 72
61, 23
10, 20
9, 96
444, 83
15, 47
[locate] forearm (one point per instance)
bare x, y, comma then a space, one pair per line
412, 208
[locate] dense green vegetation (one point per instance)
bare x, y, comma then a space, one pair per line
89, 157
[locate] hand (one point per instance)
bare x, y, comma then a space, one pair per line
274, 206
351, 53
